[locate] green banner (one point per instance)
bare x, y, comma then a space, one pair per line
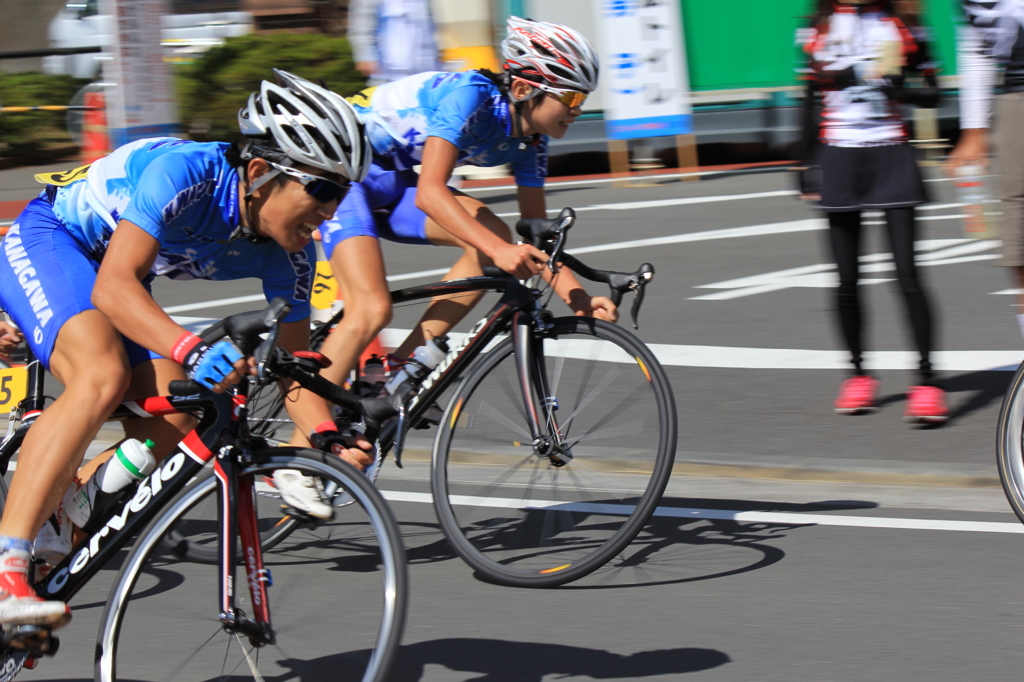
750, 43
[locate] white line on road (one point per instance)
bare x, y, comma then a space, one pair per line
657, 203
723, 514
737, 357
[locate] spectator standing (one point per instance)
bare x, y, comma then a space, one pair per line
993, 39
860, 54
392, 39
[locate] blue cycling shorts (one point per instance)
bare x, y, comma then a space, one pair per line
382, 206
46, 278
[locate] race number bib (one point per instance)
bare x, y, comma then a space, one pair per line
13, 388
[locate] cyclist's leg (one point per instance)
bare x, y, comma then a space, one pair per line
150, 376
358, 267
443, 313
350, 243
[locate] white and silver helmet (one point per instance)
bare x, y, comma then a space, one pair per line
560, 56
309, 124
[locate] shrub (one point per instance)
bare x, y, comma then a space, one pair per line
213, 88
28, 134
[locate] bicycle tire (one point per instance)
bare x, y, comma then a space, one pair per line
1010, 443
374, 581
537, 542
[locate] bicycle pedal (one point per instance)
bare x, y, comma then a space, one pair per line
35, 639
301, 516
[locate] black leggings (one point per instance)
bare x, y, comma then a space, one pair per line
844, 232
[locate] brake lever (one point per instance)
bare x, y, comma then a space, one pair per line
638, 283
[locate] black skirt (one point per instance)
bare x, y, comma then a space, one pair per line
856, 178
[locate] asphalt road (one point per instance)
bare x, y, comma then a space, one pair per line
755, 368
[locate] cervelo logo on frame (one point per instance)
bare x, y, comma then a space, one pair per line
148, 487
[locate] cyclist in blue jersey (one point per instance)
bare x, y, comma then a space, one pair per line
184, 210
442, 120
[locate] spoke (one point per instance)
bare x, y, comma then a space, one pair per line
248, 659
612, 374
628, 429
491, 413
556, 374
188, 659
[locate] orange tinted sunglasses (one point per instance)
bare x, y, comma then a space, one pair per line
571, 98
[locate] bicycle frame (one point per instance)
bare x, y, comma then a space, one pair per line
519, 309
223, 418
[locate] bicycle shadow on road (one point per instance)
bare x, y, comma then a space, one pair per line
491, 660
672, 550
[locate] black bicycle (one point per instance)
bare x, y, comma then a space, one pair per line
169, 620
559, 435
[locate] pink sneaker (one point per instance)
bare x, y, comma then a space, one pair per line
926, 405
857, 395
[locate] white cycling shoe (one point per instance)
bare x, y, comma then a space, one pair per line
304, 493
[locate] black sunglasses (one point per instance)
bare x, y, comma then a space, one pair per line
323, 190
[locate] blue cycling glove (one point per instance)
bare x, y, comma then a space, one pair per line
203, 363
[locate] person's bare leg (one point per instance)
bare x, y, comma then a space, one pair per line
149, 379
358, 266
90, 361
444, 312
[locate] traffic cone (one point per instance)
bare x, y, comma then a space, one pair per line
95, 140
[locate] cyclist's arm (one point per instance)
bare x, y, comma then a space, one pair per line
120, 295
306, 409
533, 205
435, 198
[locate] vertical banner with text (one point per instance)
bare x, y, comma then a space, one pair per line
644, 67
140, 94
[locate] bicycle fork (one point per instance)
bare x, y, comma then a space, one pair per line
238, 493
540, 403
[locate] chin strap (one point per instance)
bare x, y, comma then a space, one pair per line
517, 105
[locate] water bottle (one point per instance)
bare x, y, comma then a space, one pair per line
423, 360
132, 461
980, 221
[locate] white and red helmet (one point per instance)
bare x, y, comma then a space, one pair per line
561, 57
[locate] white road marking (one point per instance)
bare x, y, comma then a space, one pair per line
658, 203
723, 514
738, 357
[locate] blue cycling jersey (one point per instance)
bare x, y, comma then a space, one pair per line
465, 108
184, 194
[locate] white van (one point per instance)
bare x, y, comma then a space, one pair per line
79, 24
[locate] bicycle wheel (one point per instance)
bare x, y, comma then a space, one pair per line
507, 509
194, 537
1010, 443
161, 620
